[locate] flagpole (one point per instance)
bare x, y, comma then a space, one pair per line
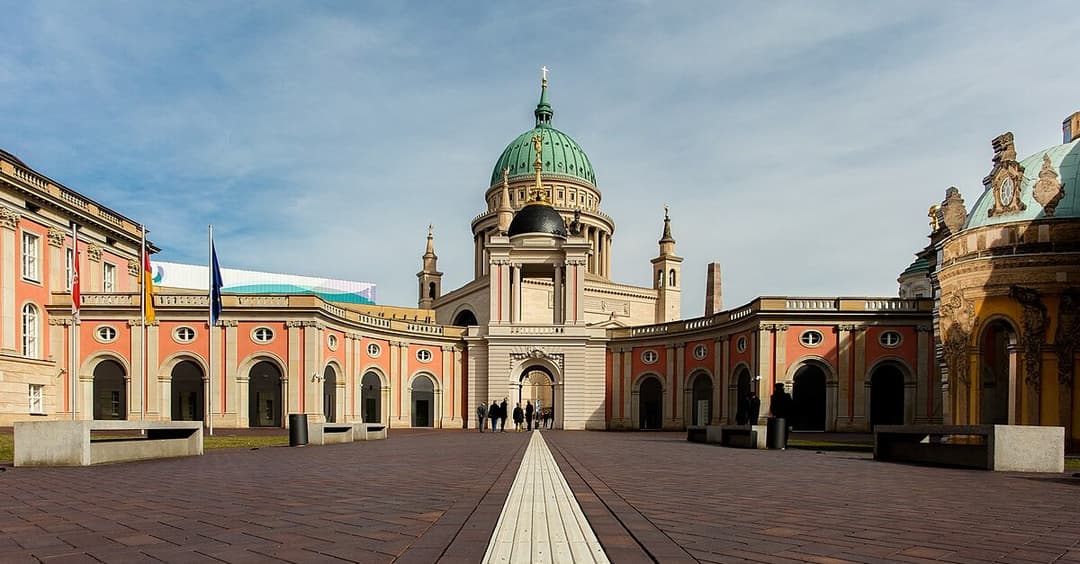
210, 331
142, 315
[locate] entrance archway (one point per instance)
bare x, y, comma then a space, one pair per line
264, 395
997, 369
370, 394
423, 402
330, 394
738, 406
887, 395
808, 398
110, 391
187, 392
465, 318
701, 399
537, 387
651, 409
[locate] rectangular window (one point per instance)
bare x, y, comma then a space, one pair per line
30, 266
37, 398
108, 274
70, 268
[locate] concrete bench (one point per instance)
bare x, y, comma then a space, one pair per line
330, 433
369, 431
1016, 448
71, 443
744, 436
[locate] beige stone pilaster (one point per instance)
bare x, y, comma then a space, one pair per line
9, 222
628, 385
461, 409
557, 306
233, 407
682, 398
924, 390
94, 283
153, 366
862, 382
57, 262
313, 374
764, 368
616, 389
295, 369
516, 300
845, 394
137, 356
722, 380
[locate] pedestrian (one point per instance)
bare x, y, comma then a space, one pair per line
519, 417
742, 414
493, 414
780, 405
549, 418
503, 413
755, 408
481, 416
528, 415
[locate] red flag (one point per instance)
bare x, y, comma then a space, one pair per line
75, 295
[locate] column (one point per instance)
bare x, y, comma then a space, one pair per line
557, 307
628, 386
862, 383
313, 374
607, 267
515, 292
446, 379
843, 405
404, 410
780, 366
681, 400
153, 387
58, 332
233, 406
9, 222
135, 405
478, 269
720, 373
295, 369
577, 298
616, 388
460, 408
764, 367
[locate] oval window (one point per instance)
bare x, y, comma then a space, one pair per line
649, 357
700, 352
184, 334
740, 345
374, 350
890, 339
262, 335
811, 338
105, 334
423, 355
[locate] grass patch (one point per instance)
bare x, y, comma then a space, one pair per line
1072, 463
7, 447
234, 441
830, 445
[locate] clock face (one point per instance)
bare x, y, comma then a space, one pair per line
1008, 191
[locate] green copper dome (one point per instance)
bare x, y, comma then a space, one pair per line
920, 265
1064, 167
562, 156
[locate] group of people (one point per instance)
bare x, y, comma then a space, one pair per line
749, 409
529, 418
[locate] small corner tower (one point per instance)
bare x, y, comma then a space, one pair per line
429, 279
713, 301
667, 276
505, 211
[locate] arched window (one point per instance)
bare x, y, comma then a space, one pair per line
30, 331
671, 278
431, 290
659, 278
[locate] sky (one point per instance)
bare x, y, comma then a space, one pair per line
797, 144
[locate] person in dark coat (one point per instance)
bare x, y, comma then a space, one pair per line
519, 417
528, 415
781, 406
493, 414
502, 414
481, 416
755, 408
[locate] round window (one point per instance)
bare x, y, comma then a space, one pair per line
649, 357
105, 334
890, 339
374, 350
423, 355
740, 345
184, 334
700, 352
811, 338
331, 342
262, 335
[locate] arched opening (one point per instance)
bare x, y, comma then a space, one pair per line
465, 318
537, 386
187, 392
264, 395
110, 391
651, 408
671, 278
423, 402
431, 290
370, 392
887, 395
808, 398
659, 278
701, 399
330, 394
997, 369
740, 400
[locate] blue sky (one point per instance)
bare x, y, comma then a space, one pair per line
798, 144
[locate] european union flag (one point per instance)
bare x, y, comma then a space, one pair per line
215, 286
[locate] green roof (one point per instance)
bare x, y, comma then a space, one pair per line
920, 265
562, 156
1065, 161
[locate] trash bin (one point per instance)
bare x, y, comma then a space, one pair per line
297, 429
776, 433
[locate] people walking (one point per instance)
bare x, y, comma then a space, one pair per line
481, 416
493, 414
519, 417
528, 415
503, 414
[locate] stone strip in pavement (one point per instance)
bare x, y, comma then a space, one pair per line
541, 520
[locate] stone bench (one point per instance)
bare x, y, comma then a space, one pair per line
1016, 448
369, 431
743, 436
330, 433
72, 443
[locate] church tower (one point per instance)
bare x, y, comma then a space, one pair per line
667, 276
430, 279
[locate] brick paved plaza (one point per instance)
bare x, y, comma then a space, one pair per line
649, 497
